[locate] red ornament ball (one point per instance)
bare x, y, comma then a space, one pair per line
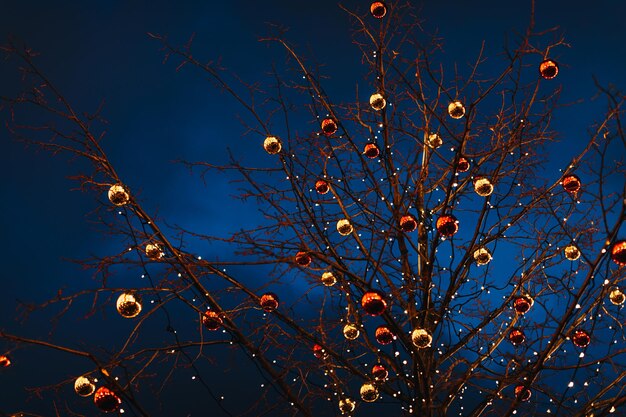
548, 69
618, 252
211, 320
447, 225
378, 9
269, 302
571, 183
463, 165
329, 126
379, 372
371, 150
303, 259
106, 400
319, 352
5, 361
384, 335
522, 304
517, 337
408, 223
374, 303
581, 338
522, 393
322, 186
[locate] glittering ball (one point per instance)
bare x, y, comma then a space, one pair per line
346, 405
269, 302
581, 338
83, 386
106, 400
374, 303
5, 361
421, 338
408, 223
379, 372
517, 337
571, 252
371, 151
154, 251
329, 279
272, 145
303, 259
522, 393
344, 227
118, 195
456, 110
482, 256
351, 331
377, 101
571, 183
433, 140
369, 392
447, 225
384, 335
463, 165
329, 126
211, 320
322, 186
548, 69
128, 305
483, 187
522, 304
617, 297
378, 9
618, 252
319, 352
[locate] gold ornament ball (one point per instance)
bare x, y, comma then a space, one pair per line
351, 331
421, 338
84, 387
433, 140
272, 145
346, 405
369, 392
118, 195
329, 279
482, 256
128, 305
456, 110
344, 227
377, 101
571, 252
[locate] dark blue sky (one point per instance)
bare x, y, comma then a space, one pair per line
98, 51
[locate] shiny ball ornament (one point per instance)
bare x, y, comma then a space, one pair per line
377, 101
5, 361
154, 251
433, 140
421, 338
303, 259
373, 302
84, 387
483, 187
571, 252
346, 405
378, 9
319, 352
548, 69
571, 183
581, 338
128, 305
369, 392
482, 256
408, 223
456, 110
517, 337
329, 279
329, 126
272, 145
522, 304
447, 225
617, 297
522, 393
463, 165
118, 195
106, 400
618, 252
351, 331
379, 372
211, 320
384, 335
344, 227
371, 151
269, 302
322, 187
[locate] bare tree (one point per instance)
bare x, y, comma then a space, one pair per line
447, 270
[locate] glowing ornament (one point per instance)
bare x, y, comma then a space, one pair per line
384, 335
319, 352
463, 165
618, 252
548, 69
374, 303
377, 101
433, 140
5, 361
269, 302
211, 320
483, 186
522, 393
517, 337
571, 183
522, 304
379, 372
571, 252
329, 279
371, 150
378, 9
581, 338
344, 227
303, 259
154, 252
482, 256
617, 297
346, 405
421, 338
84, 387
456, 110
447, 225
329, 126
272, 145
369, 392
322, 186
128, 305
106, 400
408, 223
118, 195
351, 331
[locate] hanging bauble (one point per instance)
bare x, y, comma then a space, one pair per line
351, 331
322, 186
269, 302
482, 256
571, 183
447, 225
517, 337
128, 304
463, 165
329, 279
618, 252
483, 186
369, 392
378, 9
581, 338
154, 251
83, 386
408, 223
371, 151
319, 352
384, 335
548, 69
211, 320
374, 303
5, 361
456, 110
303, 259
433, 140
118, 195
379, 372
421, 338
522, 304
344, 227
106, 400
617, 297
329, 126
346, 405
571, 252
272, 145
522, 393
377, 101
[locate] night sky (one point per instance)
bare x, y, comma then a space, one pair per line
100, 52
